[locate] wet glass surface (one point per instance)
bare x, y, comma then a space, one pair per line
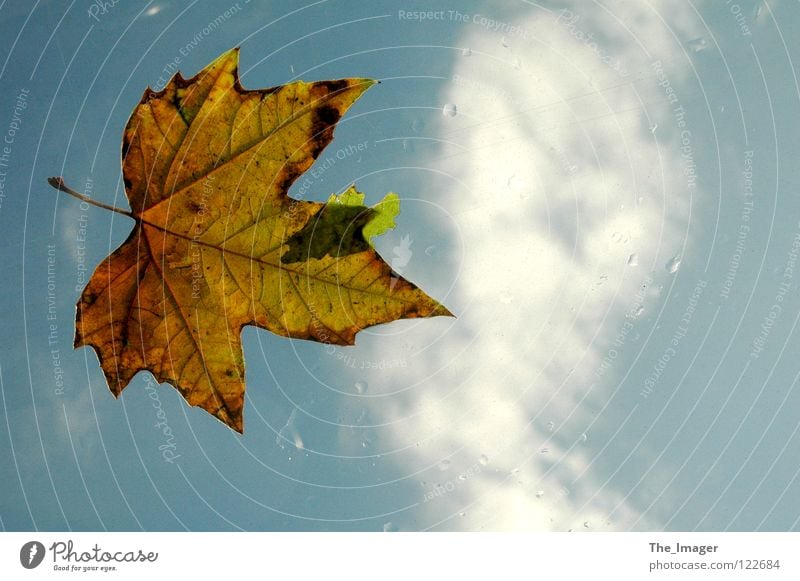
604, 195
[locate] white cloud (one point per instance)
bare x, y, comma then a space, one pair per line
571, 166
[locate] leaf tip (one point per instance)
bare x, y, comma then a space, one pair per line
372, 82
362, 83
236, 423
229, 58
442, 311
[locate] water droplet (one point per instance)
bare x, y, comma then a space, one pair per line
361, 386
544, 451
430, 250
484, 459
616, 237
653, 127
515, 471
722, 108
639, 311
551, 426
444, 465
504, 41
462, 477
518, 185
587, 524
673, 264
698, 44
584, 437
539, 493
390, 527
291, 69
449, 110
423, 483
153, 11
466, 52
366, 443
289, 433
462, 514
633, 260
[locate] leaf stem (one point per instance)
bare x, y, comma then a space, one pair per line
58, 183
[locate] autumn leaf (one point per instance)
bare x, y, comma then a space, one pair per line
218, 243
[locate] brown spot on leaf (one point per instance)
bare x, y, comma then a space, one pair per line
327, 115
285, 179
334, 85
325, 118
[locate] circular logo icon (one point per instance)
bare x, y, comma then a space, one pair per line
31, 554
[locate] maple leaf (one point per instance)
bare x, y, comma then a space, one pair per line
218, 243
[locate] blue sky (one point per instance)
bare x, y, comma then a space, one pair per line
604, 195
